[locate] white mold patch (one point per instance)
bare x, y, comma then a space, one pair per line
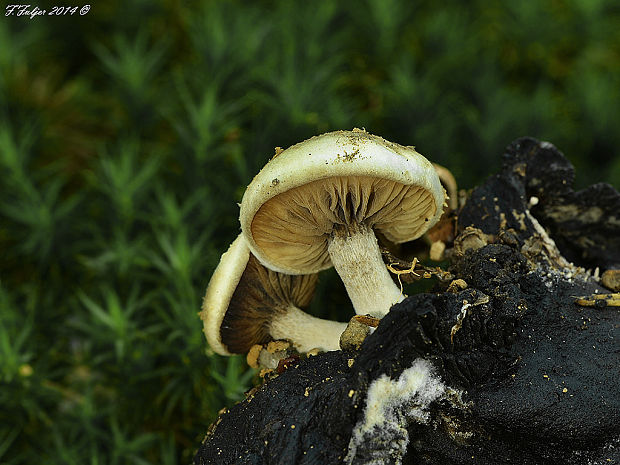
381, 435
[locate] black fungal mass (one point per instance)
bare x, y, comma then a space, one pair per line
533, 377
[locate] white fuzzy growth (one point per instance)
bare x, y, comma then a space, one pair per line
416, 385
307, 332
357, 259
390, 404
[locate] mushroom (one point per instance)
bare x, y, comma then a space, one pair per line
449, 183
247, 304
444, 230
319, 203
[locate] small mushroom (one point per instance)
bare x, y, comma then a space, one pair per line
247, 304
449, 184
319, 203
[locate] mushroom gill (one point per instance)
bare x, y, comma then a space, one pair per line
294, 224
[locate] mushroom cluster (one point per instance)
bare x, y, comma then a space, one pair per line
318, 204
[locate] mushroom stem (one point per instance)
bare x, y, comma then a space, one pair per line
355, 254
307, 332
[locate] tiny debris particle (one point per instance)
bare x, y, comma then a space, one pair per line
611, 280
292, 426
277, 346
354, 334
253, 354
598, 300
457, 285
520, 169
367, 320
313, 352
350, 362
565, 390
546, 376
351, 392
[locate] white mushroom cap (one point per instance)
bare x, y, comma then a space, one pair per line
293, 205
247, 304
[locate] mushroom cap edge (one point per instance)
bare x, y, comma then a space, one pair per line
220, 290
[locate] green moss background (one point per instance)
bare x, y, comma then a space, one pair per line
127, 137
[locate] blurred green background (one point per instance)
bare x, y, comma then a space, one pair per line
127, 137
